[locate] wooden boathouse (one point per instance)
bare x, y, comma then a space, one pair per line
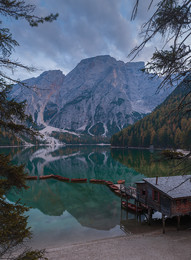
169, 195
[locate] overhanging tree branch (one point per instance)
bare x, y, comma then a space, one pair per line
172, 21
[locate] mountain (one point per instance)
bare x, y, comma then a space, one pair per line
40, 91
99, 97
165, 127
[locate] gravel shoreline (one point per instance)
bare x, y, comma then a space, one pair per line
174, 245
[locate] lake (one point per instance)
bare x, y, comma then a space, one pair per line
64, 213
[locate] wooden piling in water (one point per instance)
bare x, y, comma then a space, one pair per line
178, 223
163, 223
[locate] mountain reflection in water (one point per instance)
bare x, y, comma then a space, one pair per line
93, 206
75, 162
90, 204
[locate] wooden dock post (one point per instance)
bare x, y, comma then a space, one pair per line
127, 199
136, 206
178, 223
163, 223
149, 215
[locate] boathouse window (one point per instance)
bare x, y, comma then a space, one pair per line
155, 195
143, 192
184, 201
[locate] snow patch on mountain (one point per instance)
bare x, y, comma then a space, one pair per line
48, 130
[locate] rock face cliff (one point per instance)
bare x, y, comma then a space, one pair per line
100, 96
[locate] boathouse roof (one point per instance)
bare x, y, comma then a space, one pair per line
172, 186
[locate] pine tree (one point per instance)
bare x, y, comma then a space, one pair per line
13, 223
171, 20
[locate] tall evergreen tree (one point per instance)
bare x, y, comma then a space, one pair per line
13, 223
171, 21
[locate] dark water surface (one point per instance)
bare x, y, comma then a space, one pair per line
63, 213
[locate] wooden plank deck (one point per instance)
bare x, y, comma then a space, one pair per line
129, 191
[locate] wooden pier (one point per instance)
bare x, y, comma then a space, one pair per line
171, 196
130, 193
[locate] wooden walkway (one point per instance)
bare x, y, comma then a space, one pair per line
129, 191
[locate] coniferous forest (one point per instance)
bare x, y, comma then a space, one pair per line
168, 126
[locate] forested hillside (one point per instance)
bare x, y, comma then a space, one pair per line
166, 126
8, 139
68, 138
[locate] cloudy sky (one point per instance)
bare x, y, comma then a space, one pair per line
84, 28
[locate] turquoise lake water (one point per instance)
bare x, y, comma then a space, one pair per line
66, 213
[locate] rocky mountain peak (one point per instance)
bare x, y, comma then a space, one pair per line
100, 96
49, 79
52, 73
98, 59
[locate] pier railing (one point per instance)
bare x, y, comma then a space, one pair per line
130, 191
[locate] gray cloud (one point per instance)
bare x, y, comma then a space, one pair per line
83, 29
